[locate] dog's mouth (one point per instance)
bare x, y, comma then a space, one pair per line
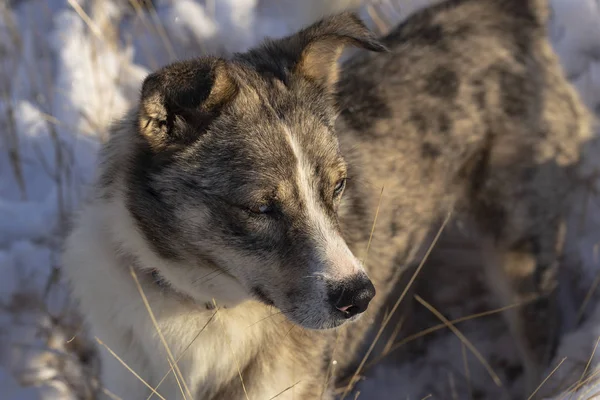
318, 316
311, 316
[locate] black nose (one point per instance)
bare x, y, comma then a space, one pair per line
352, 296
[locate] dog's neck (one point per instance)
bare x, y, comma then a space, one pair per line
169, 276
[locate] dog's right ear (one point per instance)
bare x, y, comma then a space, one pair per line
179, 101
320, 45
313, 52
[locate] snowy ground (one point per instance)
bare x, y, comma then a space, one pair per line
69, 67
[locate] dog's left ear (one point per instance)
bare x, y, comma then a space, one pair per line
321, 44
181, 100
313, 52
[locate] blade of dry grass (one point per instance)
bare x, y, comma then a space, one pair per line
265, 318
183, 353
237, 364
589, 362
436, 328
452, 385
587, 392
14, 152
393, 336
119, 359
588, 297
463, 339
177, 379
79, 331
162, 33
584, 382
110, 394
86, 18
373, 226
329, 372
149, 27
546, 380
171, 359
580, 382
467, 370
284, 390
382, 26
395, 307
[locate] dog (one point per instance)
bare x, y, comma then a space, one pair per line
231, 226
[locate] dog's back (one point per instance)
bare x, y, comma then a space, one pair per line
469, 111
462, 77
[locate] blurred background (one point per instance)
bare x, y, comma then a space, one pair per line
70, 67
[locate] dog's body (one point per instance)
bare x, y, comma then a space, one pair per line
224, 188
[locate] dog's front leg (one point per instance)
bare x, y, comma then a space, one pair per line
525, 273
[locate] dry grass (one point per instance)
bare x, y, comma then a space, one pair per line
116, 356
386, 321
463, 339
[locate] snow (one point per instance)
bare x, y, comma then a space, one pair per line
54, 117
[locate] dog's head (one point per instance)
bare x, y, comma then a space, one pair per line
237, 169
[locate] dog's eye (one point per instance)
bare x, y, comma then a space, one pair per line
339, 187
263, 208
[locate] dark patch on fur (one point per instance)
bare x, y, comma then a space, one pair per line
158, 279
419, 31
443, 82
152, 214
261, 296
479, 93
420, 121
430, 150
427, 35
462, 32
514, 94
394, 227
444, 124
365, 106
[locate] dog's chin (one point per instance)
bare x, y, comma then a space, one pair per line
323, 321
306, 317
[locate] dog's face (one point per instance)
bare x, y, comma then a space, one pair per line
237, 169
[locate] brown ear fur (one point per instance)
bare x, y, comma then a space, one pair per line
323, 42
313, 52
180, 95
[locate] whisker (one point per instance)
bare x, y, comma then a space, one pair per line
214, 277
214, 271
